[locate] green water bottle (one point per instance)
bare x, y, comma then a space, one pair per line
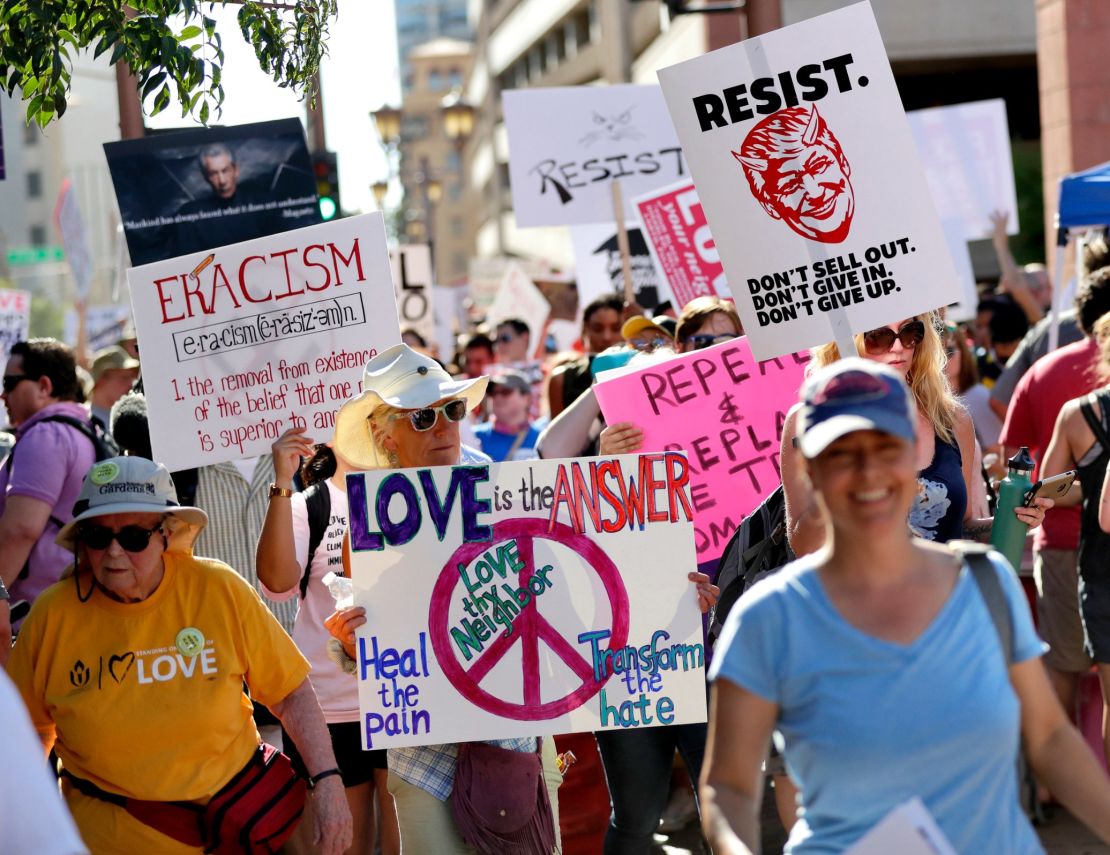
1008, 532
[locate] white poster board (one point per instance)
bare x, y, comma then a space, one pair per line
967, 306
412, 277
271, 334
75, 240
104, 326
965, 152
518, 297
15, 323
567, 145
811, 183
598, 270
456, 565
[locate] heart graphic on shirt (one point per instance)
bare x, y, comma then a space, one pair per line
123, 663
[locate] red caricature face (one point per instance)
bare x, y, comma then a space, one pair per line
799, 175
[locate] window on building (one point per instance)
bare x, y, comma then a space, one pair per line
557, 46
414, 127
34, 185
435, 80
38, 235
454, 161
582, 27
570, 37
456, 227
454, 191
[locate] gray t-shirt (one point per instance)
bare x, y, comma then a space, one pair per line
1032, 348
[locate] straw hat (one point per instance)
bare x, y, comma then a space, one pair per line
132, 485
405, 380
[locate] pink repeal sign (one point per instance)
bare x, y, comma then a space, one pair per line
530, 627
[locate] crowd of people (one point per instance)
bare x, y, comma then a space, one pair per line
191, 677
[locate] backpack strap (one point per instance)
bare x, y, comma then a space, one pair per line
318, 502
974, 555
1095, 423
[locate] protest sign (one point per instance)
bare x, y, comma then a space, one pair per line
71, 227
185, 192
456, 564
811, 182
244, 342
567, 145
726, 411
966, 307
412, 278
965, 152
681, 244
518, 297
597, 266
104, 326
15, 319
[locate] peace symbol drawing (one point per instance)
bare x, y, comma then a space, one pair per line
530, 628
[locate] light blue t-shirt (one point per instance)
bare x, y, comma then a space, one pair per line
866, 724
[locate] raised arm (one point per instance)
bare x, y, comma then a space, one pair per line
276, 554
1012, 281
568, 432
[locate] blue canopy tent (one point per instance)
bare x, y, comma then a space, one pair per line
1084, 203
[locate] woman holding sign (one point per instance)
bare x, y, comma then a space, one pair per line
945, 447
408, 416
893, 668
300, 542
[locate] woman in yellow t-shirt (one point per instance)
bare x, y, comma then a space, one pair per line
133, 665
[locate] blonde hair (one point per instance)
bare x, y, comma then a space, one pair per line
1102, 336
926, 377
377, 425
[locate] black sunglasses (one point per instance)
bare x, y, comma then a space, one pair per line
881, 340
131, 538
702, 341
13, 380
425, 418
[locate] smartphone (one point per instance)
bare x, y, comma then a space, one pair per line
1050, 488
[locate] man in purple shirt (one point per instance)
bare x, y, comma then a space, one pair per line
41, 477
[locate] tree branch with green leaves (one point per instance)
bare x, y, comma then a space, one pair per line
171, 46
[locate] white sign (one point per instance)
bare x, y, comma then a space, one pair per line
513, 599
567, 146
104, 326
412, 277
241, 343
71, 225
965, 151
518, 297
967, 306
598, 270
811, 183
15, 322
909, 829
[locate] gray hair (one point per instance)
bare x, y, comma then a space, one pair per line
215, 150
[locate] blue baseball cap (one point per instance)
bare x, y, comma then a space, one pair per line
850, 395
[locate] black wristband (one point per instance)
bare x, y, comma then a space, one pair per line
319, 776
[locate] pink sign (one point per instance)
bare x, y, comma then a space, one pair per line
726, 411
681, 244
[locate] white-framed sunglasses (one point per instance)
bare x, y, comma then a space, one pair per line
425, 418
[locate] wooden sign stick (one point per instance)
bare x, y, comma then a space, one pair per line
622, 243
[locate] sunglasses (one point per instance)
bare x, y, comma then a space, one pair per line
13, 380
701, 342
131, 538
506, 337
425, 418
882, 340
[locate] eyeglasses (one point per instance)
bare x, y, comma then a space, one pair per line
701, 342
881, 340
131, 538
425, 418
13, 380
648, 345
506, 337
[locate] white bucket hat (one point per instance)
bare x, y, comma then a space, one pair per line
405, 380
133, 485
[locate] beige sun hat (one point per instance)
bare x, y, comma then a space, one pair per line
405, 380
133, 485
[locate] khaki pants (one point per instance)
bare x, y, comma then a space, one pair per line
427, 825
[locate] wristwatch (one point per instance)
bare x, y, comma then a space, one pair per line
280, 492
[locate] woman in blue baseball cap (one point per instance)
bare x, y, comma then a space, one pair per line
890, 667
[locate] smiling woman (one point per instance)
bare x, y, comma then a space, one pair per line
880, 663
133, 666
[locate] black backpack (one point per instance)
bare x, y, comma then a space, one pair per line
757, 549
318, 501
